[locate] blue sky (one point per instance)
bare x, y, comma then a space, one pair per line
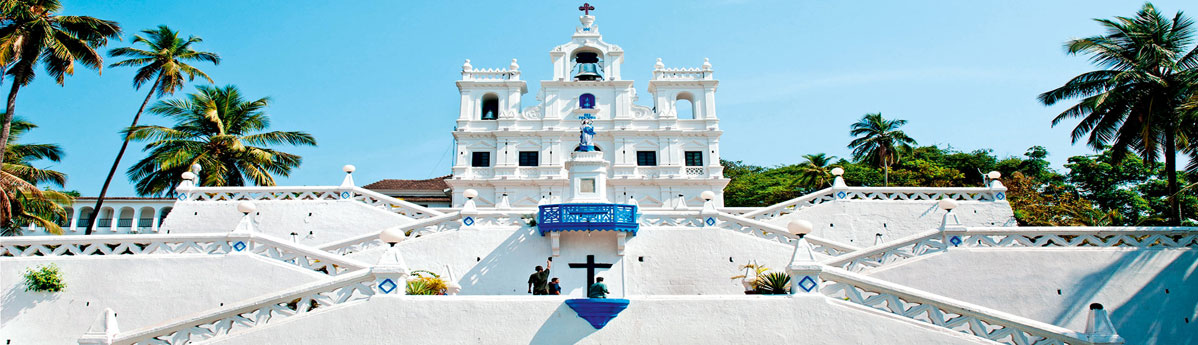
374, 80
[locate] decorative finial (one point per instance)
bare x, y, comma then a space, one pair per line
466, 66
659, 65
586, 9
514, 66
706, 63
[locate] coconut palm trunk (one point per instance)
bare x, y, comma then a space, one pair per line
104, 190
1171, 169
12, 107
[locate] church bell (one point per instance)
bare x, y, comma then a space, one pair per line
588, 66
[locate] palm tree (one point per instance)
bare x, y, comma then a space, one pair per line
165, 62
879, 141
816, 170
219, 130
1132, 103
21, 202
34, 33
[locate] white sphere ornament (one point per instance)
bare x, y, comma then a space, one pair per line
392, 236
707, 195
948, 204
994, 175
349, 168
246, 207
837, 171
187, 175
799, 227
196, 167
470, 194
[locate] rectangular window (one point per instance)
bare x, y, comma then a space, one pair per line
529, 159
586, 185
646, 158
480, 159
694, 158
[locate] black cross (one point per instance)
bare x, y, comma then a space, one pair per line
590, 266
586, 8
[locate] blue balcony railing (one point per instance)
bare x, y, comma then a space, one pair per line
587, 217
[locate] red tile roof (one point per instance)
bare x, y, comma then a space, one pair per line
432, 184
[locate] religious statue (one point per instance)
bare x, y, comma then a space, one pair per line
586, 137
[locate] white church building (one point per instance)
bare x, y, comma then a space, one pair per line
589, 185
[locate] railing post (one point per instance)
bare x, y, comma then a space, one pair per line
839, 188
103, 331
346, 190
469, 210
998, 192
1099, 329
391, 272
804, 270
708, 213
950, 222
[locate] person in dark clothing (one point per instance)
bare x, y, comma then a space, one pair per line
538, 283
555, 287
598, 289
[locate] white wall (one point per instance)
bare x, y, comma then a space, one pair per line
676, 261
1131, 284
327, 221
548, 320
857, 222
143, 290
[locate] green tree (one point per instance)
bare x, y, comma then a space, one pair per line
34, 33
21, 202
879, 142
1036, 203
222, 132
165, 62
816, 170
1132, 104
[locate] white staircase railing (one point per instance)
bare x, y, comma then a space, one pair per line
257, 312
877, 194
331, 193
942, 311
441, 223
937, 241
775, 233
176, 244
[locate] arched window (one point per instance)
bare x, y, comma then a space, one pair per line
684, 104
586, 101
490, 109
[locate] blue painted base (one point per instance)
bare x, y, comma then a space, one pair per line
597, 311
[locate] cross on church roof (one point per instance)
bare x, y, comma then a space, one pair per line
586, 8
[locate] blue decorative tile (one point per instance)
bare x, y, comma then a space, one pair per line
710, 221
956, 241
345, 195
840, 195
239, 246
182, 196
469, 221
387, 285
1000, 196
807, 283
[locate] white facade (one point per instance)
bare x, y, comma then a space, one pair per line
647, 147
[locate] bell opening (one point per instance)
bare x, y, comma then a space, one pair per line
588, 67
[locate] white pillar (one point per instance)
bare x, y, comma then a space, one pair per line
103, 331
1099, 328
75, 218
116, 216
154, 221
133, 226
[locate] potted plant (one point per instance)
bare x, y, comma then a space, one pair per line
758, 280
45, 278
422, 282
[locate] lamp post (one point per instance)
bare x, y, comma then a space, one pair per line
803, 269
391, 271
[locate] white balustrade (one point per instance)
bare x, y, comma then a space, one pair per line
792, 205
943, 312
878, 194
1084, 237
369, 197
490, 74
178, 244
479, 172
913, 246
774, 233
274, 308
682, 74
443, 223
657, 218
529, 172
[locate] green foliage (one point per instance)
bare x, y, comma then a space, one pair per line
222, 132
774, 283
424, 282
165, 59
879, 142
45, 278
21, 201
1132, 191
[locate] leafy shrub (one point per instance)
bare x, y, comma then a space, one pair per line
774, 283
45, 278
425, 283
